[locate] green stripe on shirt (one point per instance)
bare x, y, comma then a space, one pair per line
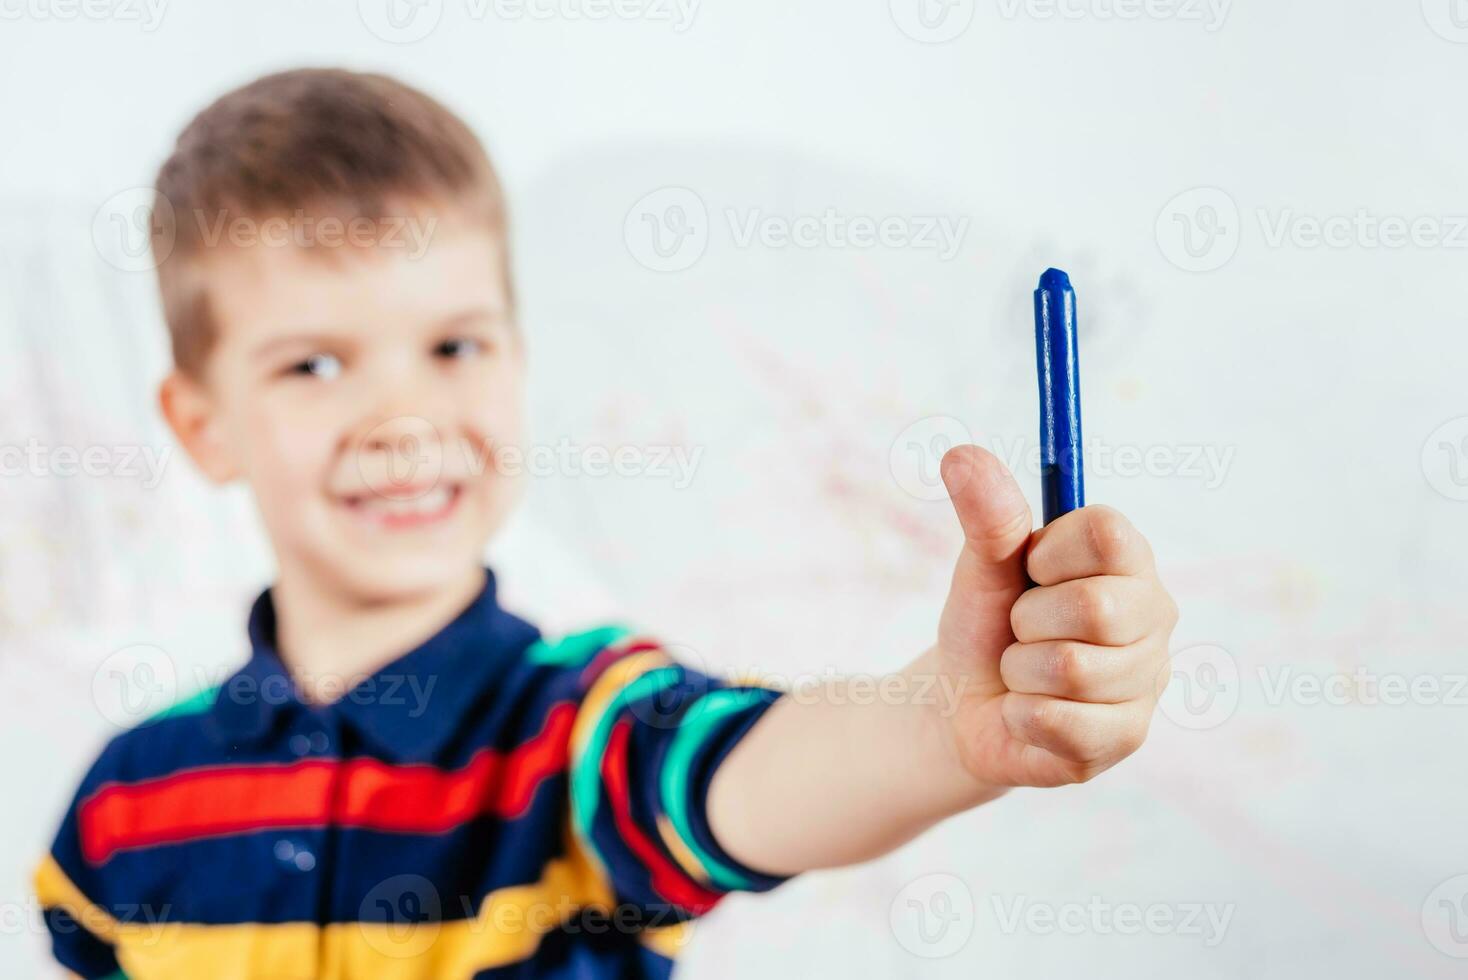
575, 648
702, 717
586, 778
194, 704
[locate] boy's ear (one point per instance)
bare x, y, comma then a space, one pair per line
190, 411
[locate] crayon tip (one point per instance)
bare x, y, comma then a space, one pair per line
1054, 279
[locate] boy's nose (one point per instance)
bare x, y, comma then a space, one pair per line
399, 433
400, 455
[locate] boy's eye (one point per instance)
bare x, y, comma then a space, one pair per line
319, 366
459, 347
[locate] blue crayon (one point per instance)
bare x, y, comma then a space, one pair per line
1062, 480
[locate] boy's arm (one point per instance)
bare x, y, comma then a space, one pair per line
1025, 686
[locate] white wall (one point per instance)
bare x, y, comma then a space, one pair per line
1327, 541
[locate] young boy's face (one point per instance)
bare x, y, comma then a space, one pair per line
361, 396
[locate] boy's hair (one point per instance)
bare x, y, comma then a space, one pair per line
361, 149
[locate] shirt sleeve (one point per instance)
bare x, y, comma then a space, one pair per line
69, 889
649, 736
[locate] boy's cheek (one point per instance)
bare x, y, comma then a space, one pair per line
285, 465
498, 422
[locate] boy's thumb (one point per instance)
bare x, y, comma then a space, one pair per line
990, 574
991, 508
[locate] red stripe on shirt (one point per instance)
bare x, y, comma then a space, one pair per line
668, 880
364, 793
610, 655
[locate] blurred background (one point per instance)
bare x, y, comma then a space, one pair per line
794, 245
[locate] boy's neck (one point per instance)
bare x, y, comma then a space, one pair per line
329, 640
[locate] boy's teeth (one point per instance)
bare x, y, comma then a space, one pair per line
434, 500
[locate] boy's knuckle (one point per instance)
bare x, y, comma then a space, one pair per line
1173, 612
1084, 770
1109, 537
1096, 604
1045, 717
1071, 666
986, 538
1131, 738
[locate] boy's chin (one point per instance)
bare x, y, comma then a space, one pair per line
379, 579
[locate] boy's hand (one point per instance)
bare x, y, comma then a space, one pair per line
1059, 680
1053, 643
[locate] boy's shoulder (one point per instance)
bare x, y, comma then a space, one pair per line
173, 738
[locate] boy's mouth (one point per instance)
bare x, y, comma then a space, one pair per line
406, 507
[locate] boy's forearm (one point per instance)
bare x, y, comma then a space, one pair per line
837, 775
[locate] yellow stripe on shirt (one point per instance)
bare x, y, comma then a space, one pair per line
508, 928
606, 687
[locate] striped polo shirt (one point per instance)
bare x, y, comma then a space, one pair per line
492, 804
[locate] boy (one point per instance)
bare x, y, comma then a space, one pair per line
335, 278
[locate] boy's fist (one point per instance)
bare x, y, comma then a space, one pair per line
1058, 637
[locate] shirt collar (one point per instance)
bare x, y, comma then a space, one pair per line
409, 709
